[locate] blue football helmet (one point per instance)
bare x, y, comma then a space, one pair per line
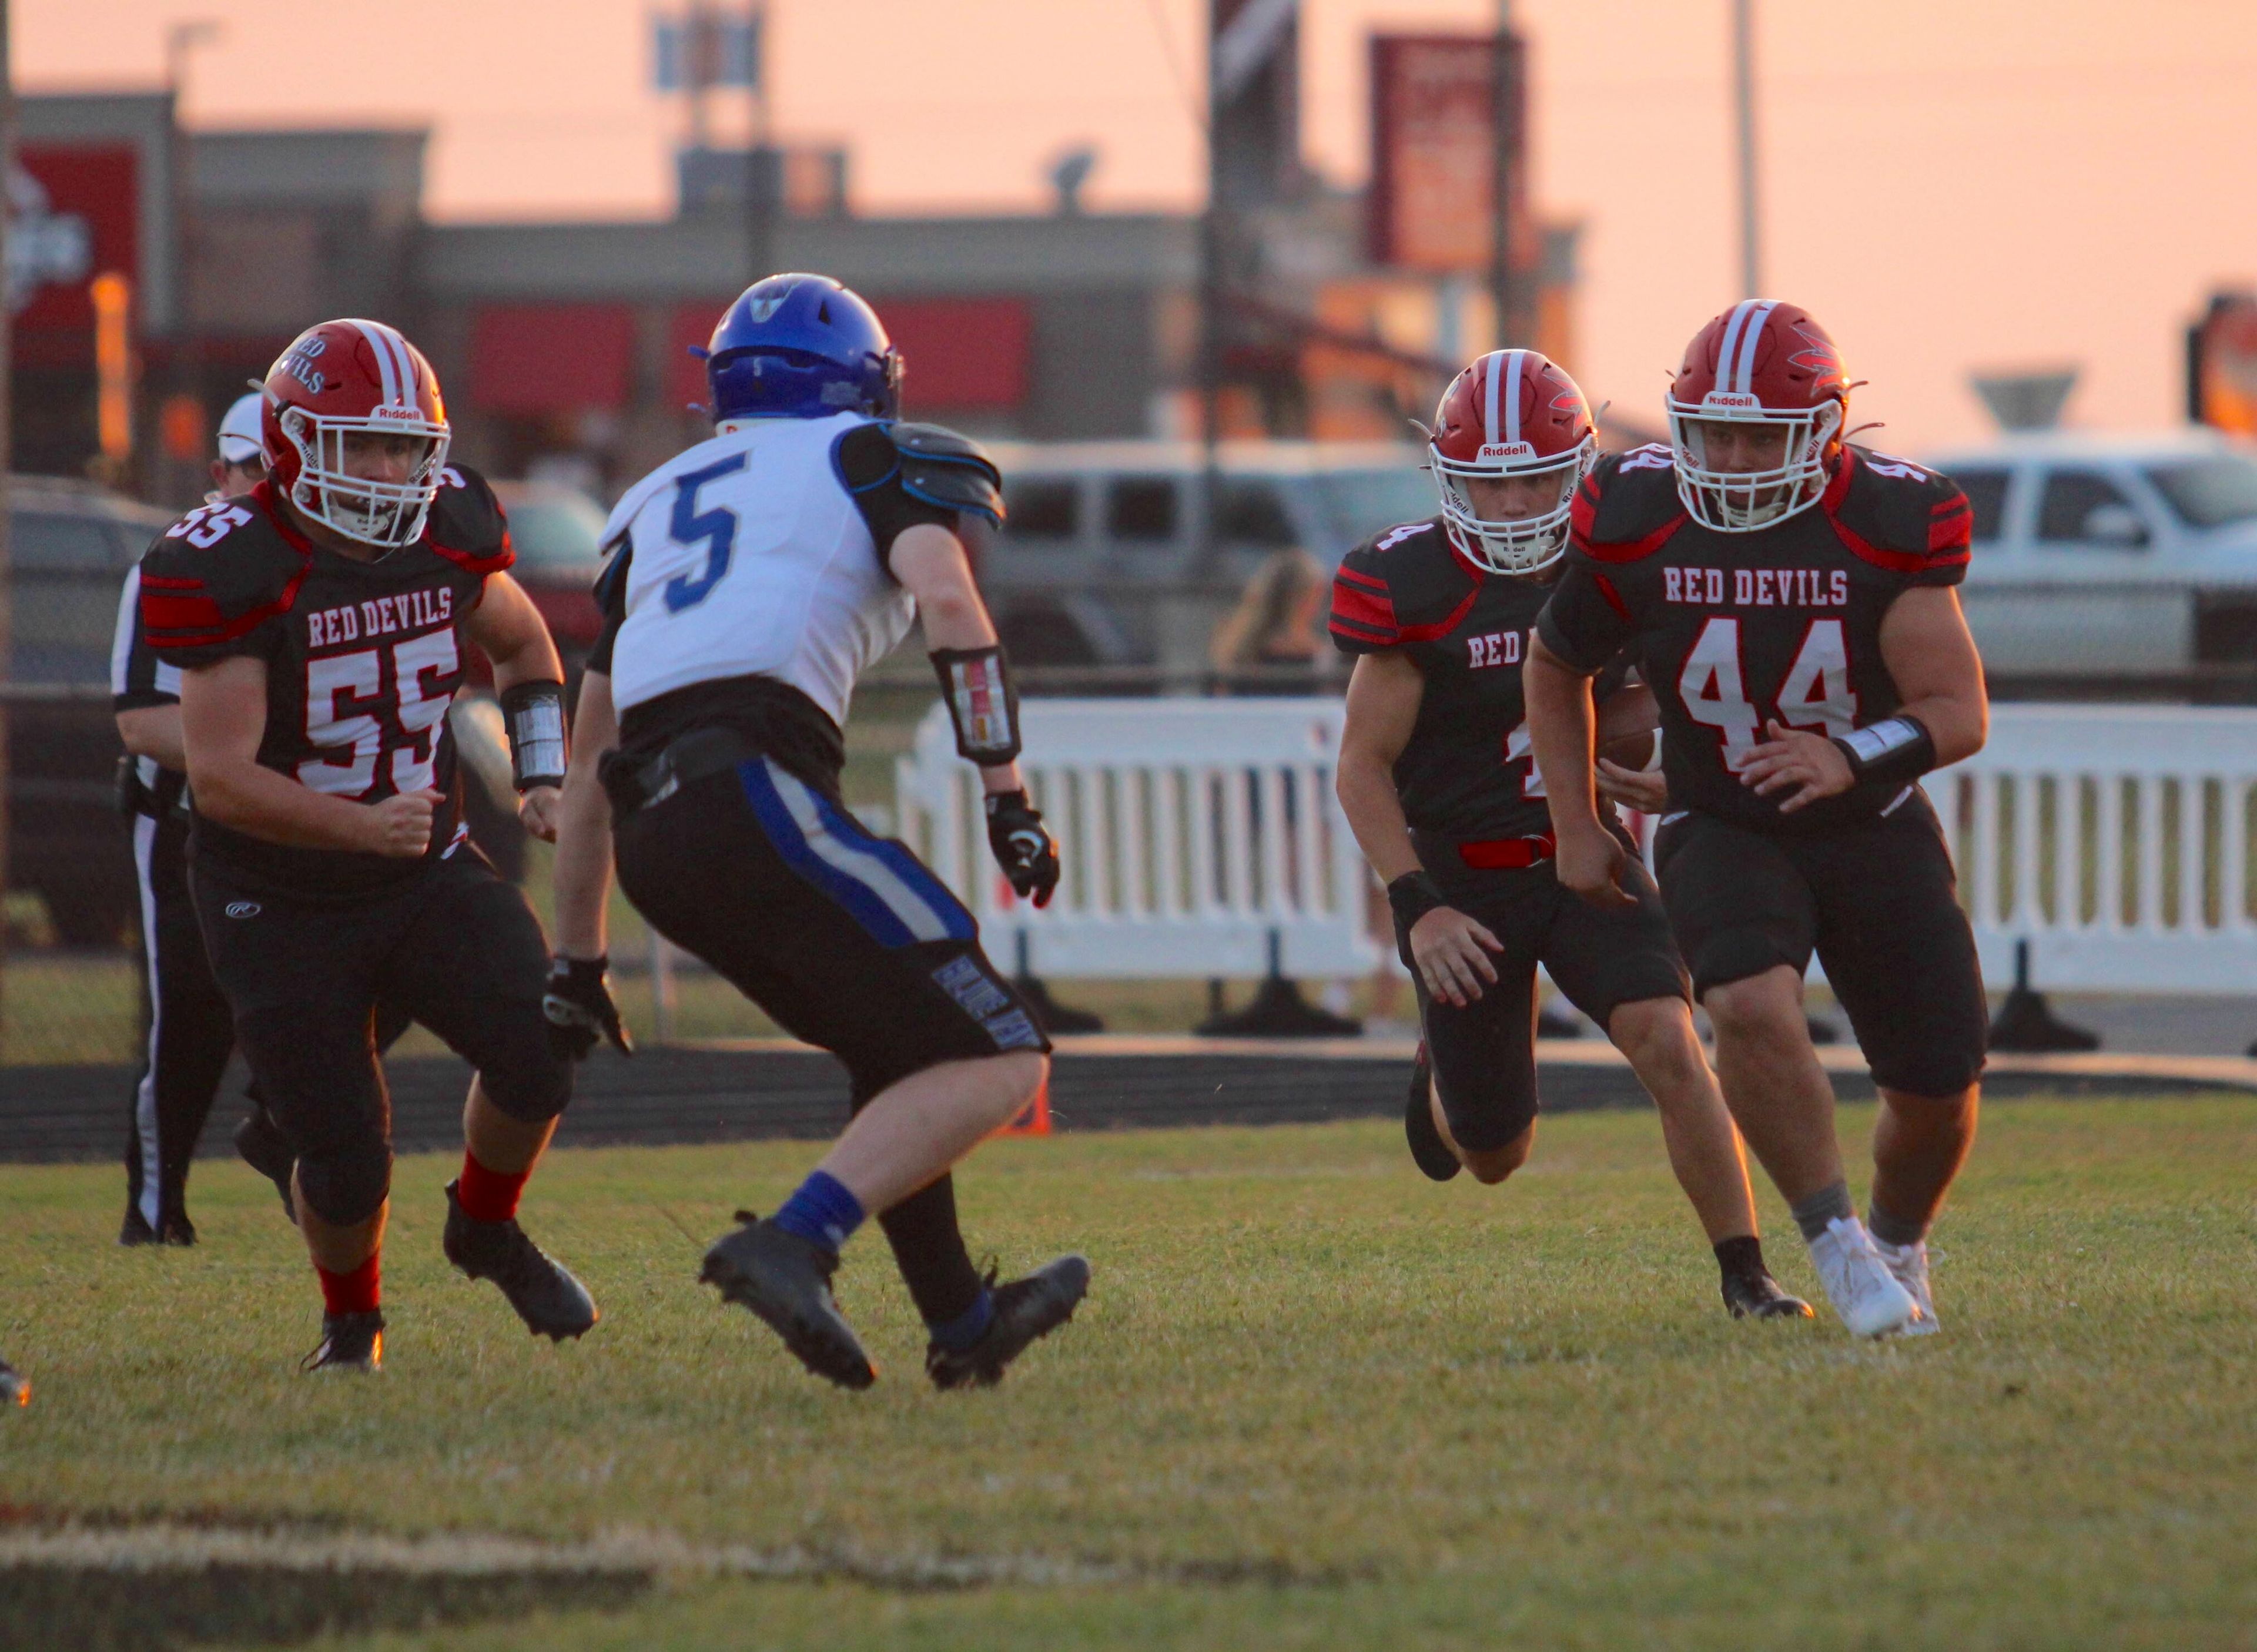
801, 347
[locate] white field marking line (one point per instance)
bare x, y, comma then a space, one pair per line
165, 1548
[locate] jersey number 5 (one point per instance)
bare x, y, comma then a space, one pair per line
1815, 694
716, 527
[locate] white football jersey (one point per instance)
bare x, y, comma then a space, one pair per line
750, 557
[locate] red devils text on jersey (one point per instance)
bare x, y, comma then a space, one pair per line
1467, 772
1732, 630
362, 659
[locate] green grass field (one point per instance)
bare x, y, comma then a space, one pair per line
1312, 1401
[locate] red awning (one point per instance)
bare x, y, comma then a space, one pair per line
967, 353
551, 359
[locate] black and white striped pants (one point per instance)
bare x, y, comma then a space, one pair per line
190, 1032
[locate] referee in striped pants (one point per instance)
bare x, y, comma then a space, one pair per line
191, 1033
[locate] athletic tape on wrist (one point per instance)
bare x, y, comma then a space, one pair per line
533, 715
982, 704
1896, 750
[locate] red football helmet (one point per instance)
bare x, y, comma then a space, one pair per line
1761, 366
346, 380
1511, 414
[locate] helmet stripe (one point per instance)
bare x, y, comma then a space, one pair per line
403, 358
1488, 396
1513, 396
387, 370
1725, 350
1749, 337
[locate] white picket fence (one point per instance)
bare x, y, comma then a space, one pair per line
2117, 840
1196, 834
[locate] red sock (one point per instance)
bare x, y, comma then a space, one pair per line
489, 1196
357, 1292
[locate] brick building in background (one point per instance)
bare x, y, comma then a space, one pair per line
563, 346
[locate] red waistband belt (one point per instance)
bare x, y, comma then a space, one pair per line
1505, 854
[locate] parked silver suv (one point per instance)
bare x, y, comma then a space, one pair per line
2112, 555
1104, 560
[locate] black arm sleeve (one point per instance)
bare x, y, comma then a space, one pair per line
610, 592
1585, 623
871, 469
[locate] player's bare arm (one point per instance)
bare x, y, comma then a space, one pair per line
929, 560
154, 731
1449, 948
930, 564
510, 629
583, 825
1928, 653
1562, 727
222, 719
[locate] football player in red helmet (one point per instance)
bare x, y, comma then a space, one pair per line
318, 625
1791, 596
1441, 789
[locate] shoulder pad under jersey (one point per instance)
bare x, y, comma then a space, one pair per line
1627, 507
215, 577
466, 524
948, 469
1399, 587
1903, 516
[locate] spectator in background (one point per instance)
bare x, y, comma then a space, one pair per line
1271, 642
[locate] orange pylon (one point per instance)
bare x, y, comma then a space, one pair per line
1034, 1120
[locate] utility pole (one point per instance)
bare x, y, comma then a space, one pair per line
1743, 100
1509, 304
7, 375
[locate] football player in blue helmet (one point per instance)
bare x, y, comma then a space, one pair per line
801, 347
753, 579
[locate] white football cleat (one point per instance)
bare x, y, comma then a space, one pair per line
1859, 1283
1908, 1265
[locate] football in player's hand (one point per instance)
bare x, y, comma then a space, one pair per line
1628, 726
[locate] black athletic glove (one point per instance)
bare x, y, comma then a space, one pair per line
579, 1008
1022, 846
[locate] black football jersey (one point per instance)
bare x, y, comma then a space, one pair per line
1467, 772
363, 659
1732, 630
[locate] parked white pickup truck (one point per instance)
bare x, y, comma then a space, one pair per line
2105, 555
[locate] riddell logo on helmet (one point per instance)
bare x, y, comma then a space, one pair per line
396, 410
1732, 401
1505, 450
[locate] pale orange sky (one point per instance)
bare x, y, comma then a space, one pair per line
1948, 183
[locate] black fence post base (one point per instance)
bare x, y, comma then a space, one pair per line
1054, 1016
1279, 1011
2027, 1023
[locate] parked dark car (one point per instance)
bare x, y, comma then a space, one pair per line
70, 547
555, 531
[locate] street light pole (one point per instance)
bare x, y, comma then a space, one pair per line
1743, 100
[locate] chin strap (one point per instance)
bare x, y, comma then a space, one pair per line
976, 683
533, 714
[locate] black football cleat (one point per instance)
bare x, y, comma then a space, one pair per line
552, 1302
261, 1144
350, 1343
1758, 1295
176, 1229
785, 1280
1429, 1151
1026, 1311
15, 1388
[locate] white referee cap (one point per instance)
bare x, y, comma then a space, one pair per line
239, 439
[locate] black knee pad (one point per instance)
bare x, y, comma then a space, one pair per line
346, 1183
535, 1083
